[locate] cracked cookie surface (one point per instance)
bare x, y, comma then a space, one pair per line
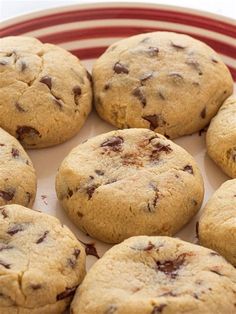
41, 262
217, 225
45, 92
221, 137
168, 82
17, 175
129, 182
158, 275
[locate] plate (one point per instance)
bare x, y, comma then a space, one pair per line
86, 31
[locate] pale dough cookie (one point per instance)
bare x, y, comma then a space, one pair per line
129, 182
153, 275
168, 82
41, 262
45, 92
217, 225
221, 137
17, 175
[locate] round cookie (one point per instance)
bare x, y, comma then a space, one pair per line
17, 175
41, 262
217, 225
129, 182
168, 82
45, 92
221, 137
152, 275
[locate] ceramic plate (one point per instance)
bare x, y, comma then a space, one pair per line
87, 30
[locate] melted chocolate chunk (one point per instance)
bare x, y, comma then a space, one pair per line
23, 66
214, 60
114, 143
25, 130
15, 153
171, 267
178, 46
42, 238
72, 261
77, 91
19, 107
158, 308
149, 247
3, 212
145, 77
79, 214
99, 172
7, 195
188, 168
162, 148
107, 86
138, 93
15, 229
76, 253
3, 62
36, 286
90, 190
152, 51
90, 249
155, 121
120, 68
47, 80
69, 193
7, 266
69, 292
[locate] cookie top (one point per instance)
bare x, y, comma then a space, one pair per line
152, 275
168, 82
45, 92
217, 225
129, 182
221, 137
17, 175
41, 262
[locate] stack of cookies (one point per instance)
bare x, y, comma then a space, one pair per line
133, 186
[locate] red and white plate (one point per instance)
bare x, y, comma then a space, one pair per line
87, 30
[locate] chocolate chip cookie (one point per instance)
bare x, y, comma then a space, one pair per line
167, 82
17, 175
217, 225
153, 275
129, 182
41, 262
221, 137
45, 92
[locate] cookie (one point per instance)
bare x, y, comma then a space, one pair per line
217, 225
168, 82
152, 275
41, 262
17, 175
129, 182
45, 92
221, 137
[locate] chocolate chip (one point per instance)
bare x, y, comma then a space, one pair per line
90, 249
68, 292
15, 153
152, 51
3, 62
158, 308
171, 267
72, 261
177, 46
149, 247
2, 145
138, 93
79, 214
23, 66
7, 195
203, 113
166, 135
188, 168
145, 77
197, 229
36, 286
99, 172
120, 68
15, 229
47, 80
114, 143
77, 92
90, 190
3, 212
69, 193
154, 120
42, 238
76, 253
213, 59
107, 86
161, 95
8, 266
25, 130
158, 147
19, 107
